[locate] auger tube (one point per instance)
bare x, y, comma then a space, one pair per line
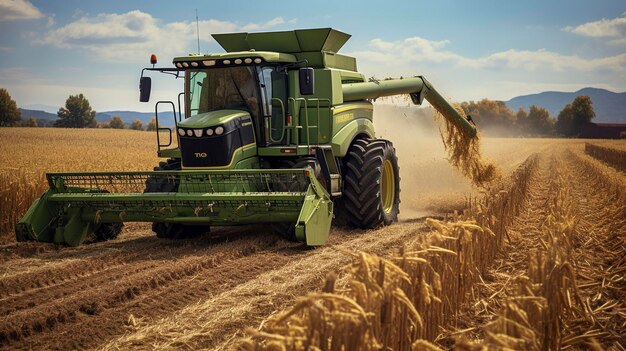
418, 87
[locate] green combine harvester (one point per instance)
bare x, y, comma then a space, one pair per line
276, 130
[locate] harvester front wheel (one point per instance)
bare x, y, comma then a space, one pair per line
108, 231
371, 194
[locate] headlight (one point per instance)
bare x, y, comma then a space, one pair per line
189, 132
181, 132
219, 130
209, 132
197, 132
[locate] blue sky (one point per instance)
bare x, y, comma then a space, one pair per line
468, 49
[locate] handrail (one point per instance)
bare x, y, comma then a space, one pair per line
158, 128
180, 110
296, 114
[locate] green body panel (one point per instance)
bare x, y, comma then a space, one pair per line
293, 41
212, 118
78, 202
344, 136
169, 153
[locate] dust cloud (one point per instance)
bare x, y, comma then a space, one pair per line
430, 184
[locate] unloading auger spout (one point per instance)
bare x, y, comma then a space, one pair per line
418, 88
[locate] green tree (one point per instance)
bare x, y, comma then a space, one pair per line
521, 120
10, 115
575, 115
77, 113
491, 115
116, 123
151, 126
136, 125
539, 121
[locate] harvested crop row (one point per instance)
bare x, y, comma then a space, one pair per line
614, 157
220, 316
565, 289
148, 286
396, 302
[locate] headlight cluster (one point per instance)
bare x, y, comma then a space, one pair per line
225, 62
198, 133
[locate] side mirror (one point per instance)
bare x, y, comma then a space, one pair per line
145, 85
307, 81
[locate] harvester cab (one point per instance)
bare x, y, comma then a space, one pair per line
278, 129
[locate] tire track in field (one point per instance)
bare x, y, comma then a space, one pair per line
213, 321
61, 268
44, 311
106, 320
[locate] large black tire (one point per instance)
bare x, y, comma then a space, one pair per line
158, 184
287, 230
107, 231
371, 194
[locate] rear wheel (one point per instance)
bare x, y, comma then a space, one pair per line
371, 194
166, 185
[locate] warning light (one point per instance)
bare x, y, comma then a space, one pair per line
153, 59
289, 120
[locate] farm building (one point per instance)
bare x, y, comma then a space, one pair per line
603, 131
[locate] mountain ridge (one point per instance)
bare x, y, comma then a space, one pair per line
609, 106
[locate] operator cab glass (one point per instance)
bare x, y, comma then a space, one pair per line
262, 91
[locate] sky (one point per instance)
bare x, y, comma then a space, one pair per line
468, 50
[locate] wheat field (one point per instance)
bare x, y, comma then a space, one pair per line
534, 260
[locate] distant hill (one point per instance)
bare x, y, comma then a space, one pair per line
128, 117
609, 106
44, 119
40, 107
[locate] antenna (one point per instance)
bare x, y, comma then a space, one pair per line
198, 30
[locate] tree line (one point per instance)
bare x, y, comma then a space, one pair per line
489, 115
496, 117
77, 113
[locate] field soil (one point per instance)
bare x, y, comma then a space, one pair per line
138, 291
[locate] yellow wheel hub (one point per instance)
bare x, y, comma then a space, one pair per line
388, 188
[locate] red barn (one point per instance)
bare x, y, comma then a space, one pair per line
603, 131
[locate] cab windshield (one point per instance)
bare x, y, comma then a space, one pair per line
260, 90
223, 88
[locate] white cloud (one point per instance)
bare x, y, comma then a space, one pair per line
18, 10
604, 28
499, 75
271, 23
416, 50
136, 34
